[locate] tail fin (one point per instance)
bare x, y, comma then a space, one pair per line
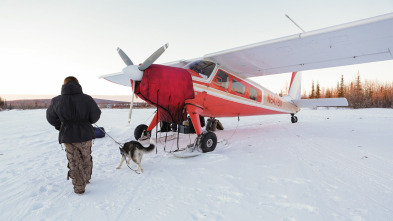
295, 88
294, 96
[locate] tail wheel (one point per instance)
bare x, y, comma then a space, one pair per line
140, 131
208, 142
293, 119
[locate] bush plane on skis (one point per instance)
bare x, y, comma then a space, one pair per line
217, 84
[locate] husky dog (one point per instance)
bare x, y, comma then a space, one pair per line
134, 150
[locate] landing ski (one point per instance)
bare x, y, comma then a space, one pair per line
191, 151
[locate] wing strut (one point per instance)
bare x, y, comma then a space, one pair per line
294, 23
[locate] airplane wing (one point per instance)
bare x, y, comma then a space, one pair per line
357, 42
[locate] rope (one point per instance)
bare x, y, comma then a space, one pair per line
166, 136
238, 120
178, 137
149, 117
157, 121
125, 159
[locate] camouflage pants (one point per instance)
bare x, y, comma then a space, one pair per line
80, 164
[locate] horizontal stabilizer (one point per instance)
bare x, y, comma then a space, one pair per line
321, 102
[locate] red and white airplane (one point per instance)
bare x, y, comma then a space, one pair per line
217, 84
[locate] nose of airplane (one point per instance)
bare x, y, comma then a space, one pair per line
168, 88
133, 72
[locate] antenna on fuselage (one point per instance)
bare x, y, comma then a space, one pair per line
294, 22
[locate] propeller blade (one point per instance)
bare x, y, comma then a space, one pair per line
153, 58
125, 58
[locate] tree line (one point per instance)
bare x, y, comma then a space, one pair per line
367, 94
44, 103
3, 103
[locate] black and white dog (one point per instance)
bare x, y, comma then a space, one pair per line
134, 150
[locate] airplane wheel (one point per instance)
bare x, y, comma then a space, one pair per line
140, 131
293, 119
208, 142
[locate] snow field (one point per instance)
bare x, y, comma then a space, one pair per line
334, 164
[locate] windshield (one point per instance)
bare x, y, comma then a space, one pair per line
203, 68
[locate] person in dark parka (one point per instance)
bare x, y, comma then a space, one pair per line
72, 113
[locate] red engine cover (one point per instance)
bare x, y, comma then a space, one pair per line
167, 88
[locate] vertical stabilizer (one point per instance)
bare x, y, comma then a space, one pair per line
294, 96
295, 88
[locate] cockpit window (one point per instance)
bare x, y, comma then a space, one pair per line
203, 68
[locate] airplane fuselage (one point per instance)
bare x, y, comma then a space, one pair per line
224, 94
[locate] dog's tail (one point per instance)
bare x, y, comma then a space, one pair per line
151, 147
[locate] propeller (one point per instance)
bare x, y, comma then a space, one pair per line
125, 58
150, 60
135, 72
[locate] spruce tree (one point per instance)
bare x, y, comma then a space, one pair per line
341, 90
312, 95
328, 93
357, 96
358, 87
318, 92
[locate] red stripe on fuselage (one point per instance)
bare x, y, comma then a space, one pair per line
218, 107
195, 81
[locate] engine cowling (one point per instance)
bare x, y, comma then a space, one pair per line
168, 88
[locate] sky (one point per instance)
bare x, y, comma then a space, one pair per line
44, 41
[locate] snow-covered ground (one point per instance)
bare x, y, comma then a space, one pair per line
331, 165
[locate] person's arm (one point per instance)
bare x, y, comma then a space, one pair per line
95, 112
52, 117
